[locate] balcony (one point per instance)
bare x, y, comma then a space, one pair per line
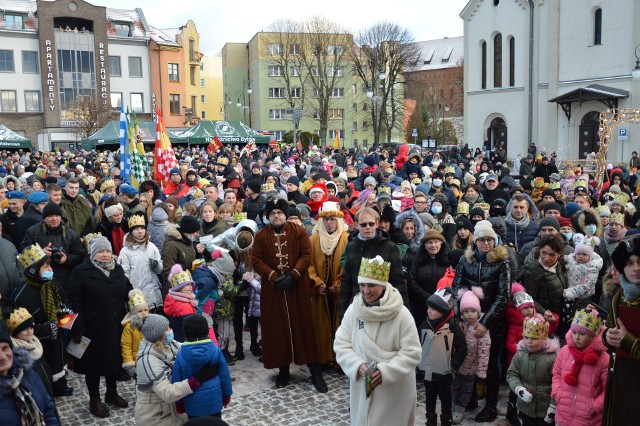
195, 56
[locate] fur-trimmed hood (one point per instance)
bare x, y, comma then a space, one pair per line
415, 155
496, 255
608, 286
173, 231
535, 213
11, 178
551, 346
578, 222
21, 360
419, 225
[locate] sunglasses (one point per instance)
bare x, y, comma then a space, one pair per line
367, 224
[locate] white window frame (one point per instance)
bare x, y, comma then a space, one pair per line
335, 114
296, 92
274, 48
335, 50
276, 114
26, 101
294, 49
274, 71
337, 92
116, 96
15, 101
294, 71
276, 92
203, 99
139, 109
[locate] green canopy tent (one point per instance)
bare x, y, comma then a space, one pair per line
229, 132
110, 135
10, 139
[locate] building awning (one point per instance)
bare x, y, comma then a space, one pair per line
594, 92
10, 139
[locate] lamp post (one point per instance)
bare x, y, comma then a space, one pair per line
636, 71
445, 109
242, 105
223, 113
249, 92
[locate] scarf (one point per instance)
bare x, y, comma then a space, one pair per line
105, 267
551, 269
117, 239
26, 406
480, 256
50, 297
470, 200
328, 242
613, 237
314, 206
189, 298
33, 346
585, 356
631, 292
519, 224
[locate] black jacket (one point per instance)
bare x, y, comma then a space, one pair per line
491, 196
356, 250
296, 197
424, 275
9, 221
494, 277
30, 217
253, 207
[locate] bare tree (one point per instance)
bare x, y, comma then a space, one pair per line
380, 56
89, 115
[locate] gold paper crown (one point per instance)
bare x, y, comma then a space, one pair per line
538, 182
41, 172
405, 183
463, 207
90, 180
237, 217
330, 209
621, 199
267, 187
136, 298
449, 169
87, 238
107, 184
554, 185
484, 206
17, 317
580, 184
603, 208
31, 255
416, 181
588, 319
535, 328
374, 271
384, 190
616, 218
455, 182
223, 161
136, 220
180, 278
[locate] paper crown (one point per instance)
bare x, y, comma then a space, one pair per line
580, 184
416, 181
106, 184
538, 182
136, 220
589, 320
89, 180
535, 327
136, 298
374, 271
405, 183
621, 199
463, 207
181, 279
87, 239
17, 317
455, 182
223, 161
330, 209
267, 187
31, 255
41, 172
554, 185
616, 218
382, 190
238, 216
603, 208
484, 206
449, 169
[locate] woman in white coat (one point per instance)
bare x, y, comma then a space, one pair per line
377, 327
142, 263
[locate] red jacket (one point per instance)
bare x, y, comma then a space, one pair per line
177, 308
447, 278
172, 187
514, 330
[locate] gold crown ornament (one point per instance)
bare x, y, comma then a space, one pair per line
90, 180
554, 185
484, 206
580, 184
449, 169
330, 209
137, 300
238, 216
31, 255
538, 182
136, 220
181, 279
106, 184
455, 182
616, 218
374, 271
384, 190
463, 208
603, 208
589, 320
17, 318
416, 181
535, 327
41, 172
405, 183
621, 199
267, 187
222, 161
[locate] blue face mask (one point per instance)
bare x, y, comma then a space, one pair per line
591, 229
436, 209
47, 275
169, 339
568, 235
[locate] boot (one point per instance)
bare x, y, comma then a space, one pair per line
283, 377
112, 397
317, 379
488, 414
445, 419
473, 402
255, 349
457, 416
239, 353
61, 388
97, 408
432, 419
512, 414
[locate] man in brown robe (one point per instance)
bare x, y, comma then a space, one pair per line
281, 255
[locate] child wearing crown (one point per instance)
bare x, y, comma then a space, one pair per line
583, 267
131, 335
180, 301
530, 373
404, 194
580, 373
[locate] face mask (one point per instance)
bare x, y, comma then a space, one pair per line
191, 238
568, 235
47, 275
436, 209
169, 338
437, 183
591, 229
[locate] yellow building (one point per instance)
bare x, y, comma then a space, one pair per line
213, 104
189, 39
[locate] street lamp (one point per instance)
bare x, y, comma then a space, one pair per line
376, 124
445, 109
636, 71
222, 111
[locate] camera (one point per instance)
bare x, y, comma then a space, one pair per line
56, 254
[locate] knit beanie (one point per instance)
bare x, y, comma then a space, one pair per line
153, 327
222, 262
294, 180
189, 225
470, 299
114, 209
476, 211
304, 209
563, 221
571, 208
51, 209
4, 335
549, 221
585, 245
195, 327
99, 244
370, 160
464, 223
370, 181
552, 206
254, 186
484, 229
442, 300
520, 298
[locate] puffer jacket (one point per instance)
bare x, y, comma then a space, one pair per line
515, 322
134, 259
226, 302
175, 311
477, 360
130, 344
254, 297
581, 278
532, 370
157, 227
545, 287
207, 399
582, 404
443, 347
423, 277
493, 276
253, 206
177, 250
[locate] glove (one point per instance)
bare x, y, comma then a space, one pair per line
131, 370
153, 264
180, 407
77, 338
225, 401
551, 415
63, 311
524, 394
480, 388
54, 330
206, 373
284, 282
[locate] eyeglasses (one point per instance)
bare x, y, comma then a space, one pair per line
276, 213
484, 240
367, 224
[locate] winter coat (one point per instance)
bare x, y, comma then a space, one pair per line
112, 230
253, 206
447, 279
358, 249
76, 211
155, 394
386, 334
443, 347
134, 259
533, 370
545, 287
30, 382
157, 227
9, 275
9, 221
217, 227
477, 359
175, 311
254, 297
177, 250
225, 306
30, 217
517, 238
418, 224
515, 325
493, 276
582, 277
423, 278
100, 303
129, 344
583, 403
207, 399
296, 197
527, 248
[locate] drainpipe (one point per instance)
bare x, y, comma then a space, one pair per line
530, 112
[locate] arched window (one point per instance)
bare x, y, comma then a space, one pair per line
597, 27
512, 61
484, 64
497, 60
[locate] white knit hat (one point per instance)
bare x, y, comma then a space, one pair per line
483, 229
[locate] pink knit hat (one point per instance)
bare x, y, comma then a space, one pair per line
520, 298
470, 299
585, 245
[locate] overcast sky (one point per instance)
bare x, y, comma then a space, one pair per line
222, 21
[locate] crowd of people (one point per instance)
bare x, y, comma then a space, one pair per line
388, 266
